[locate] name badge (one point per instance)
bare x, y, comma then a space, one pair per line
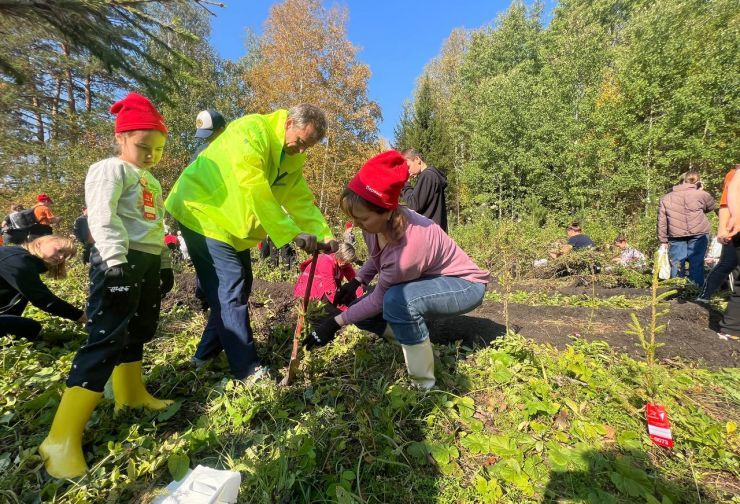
150, 210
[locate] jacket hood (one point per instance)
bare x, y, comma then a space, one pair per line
439, 174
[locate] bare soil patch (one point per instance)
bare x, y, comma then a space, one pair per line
690, 334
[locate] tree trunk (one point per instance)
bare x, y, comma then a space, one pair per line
88, 92
70, 81
40, 131
55, 105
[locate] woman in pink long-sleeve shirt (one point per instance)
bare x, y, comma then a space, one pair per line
422, 273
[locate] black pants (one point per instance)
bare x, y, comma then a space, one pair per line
726, 265
731, 321
86, 250
13, 324
117, 332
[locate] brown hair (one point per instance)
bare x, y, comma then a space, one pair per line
620, 238
692, 177
575, 227
16, 208
67, 246
397, 222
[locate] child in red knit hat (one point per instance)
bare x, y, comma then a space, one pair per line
127, 264
422, 273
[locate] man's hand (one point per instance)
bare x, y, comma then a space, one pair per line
118, 283
347, 293
167, 281
323, 334
306, 241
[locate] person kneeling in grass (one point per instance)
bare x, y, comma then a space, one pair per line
331, 269
20, 283
422, 273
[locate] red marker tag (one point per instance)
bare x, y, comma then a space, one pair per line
659, 427
150, 211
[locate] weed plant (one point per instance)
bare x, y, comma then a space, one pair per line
514, 422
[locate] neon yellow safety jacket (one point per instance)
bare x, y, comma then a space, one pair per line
238, 190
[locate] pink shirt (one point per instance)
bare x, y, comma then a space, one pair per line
327, 277
424, 251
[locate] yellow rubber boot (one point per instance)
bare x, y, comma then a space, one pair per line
129, 390
62, 448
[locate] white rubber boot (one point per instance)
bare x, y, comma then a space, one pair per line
420, 364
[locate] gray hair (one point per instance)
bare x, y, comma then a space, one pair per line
412, 154
305, 114
346, 252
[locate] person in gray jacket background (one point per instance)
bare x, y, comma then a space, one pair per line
683, 227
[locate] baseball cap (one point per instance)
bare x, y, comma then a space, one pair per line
207, 122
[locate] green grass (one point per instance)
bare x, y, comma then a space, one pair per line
514, 422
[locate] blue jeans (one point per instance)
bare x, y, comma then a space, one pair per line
225, 276
407, 306
725, 265
691, 249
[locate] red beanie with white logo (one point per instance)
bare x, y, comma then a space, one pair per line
381, 179
136, 112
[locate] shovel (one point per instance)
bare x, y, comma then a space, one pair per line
293, 364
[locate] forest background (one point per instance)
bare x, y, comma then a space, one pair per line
590, 117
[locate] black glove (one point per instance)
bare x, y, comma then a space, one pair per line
167, 281
118, 283
322, 335
347, 293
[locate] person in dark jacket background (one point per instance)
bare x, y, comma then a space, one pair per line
20, 283
577, 239
427, 195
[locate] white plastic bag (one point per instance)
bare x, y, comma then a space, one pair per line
203, 485
663, 263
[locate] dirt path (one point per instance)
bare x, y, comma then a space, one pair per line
687, 336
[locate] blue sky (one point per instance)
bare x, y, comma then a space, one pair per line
397, 38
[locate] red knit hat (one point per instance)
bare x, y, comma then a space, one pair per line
381, 179
43, 198
136, 112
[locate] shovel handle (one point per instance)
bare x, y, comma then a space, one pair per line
320, 246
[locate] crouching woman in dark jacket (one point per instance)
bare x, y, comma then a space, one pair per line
20, 283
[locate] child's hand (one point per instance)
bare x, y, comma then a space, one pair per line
347, 293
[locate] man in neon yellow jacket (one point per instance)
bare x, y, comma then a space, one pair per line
246, 184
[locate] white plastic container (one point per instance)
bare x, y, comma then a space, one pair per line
203, 485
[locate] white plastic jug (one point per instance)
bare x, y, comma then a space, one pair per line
203, 485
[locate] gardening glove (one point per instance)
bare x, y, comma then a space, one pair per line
167, 281
323, 334
118, 283
347, 293
306, 241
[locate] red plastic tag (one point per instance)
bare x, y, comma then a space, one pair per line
659, 427
150, 211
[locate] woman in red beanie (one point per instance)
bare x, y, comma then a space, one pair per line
125, 216
422, 273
